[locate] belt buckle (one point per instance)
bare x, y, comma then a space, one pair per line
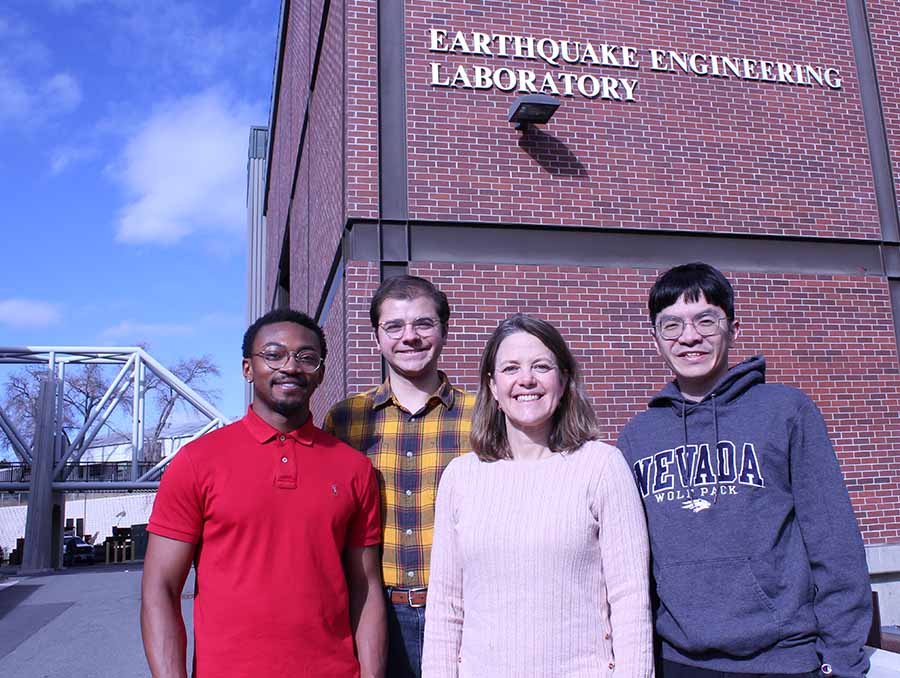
409, 595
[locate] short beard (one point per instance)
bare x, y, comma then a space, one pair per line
288, 409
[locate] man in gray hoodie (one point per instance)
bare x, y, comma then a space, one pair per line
758, 564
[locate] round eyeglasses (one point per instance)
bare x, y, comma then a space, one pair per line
704, 325
421, 326
277, 359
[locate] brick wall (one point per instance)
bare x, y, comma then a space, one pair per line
300, 292
326, 152
364, 359
295, 74
361, 123
810, 328
691, 153
884, 18
332, 388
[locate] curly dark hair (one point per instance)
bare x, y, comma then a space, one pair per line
282, 315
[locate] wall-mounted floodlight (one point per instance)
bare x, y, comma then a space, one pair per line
532, 109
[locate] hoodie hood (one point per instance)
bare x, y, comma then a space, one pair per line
735, 382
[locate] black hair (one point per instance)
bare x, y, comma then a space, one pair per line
282, 315
408, 287
691, 280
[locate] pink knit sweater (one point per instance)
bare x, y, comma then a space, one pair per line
539, 569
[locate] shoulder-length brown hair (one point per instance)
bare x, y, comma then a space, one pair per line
574, 422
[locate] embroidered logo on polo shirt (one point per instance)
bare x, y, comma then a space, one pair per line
334, 489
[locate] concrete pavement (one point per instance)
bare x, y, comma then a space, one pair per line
82, 622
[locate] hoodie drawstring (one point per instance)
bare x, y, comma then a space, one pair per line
685, 452
715, 449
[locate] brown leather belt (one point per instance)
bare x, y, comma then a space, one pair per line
411, 597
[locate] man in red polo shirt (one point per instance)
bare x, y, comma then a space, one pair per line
282, 522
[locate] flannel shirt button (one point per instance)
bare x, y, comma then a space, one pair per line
408, 453
409, 532
409, 493
410, 574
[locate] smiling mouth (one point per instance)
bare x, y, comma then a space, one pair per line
289, 385
526, 397
691, 354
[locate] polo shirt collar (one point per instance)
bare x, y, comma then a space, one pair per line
444, 393
263, 433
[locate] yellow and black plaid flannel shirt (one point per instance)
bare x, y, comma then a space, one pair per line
410, 452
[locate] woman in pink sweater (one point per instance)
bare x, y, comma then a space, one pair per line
540, 556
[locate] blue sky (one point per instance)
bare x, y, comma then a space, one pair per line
123, 173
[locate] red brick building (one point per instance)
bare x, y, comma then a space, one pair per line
753, 135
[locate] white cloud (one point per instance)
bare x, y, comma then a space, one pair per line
64, 156
15, 101
29, 90
134, 332
186, 170
63, 92
28, 313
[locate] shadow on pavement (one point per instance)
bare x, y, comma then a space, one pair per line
29, 619
13, 596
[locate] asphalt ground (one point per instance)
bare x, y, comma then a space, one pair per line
81, 622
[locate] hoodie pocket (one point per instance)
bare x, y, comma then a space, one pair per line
715, 606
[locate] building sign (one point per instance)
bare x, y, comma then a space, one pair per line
553, 74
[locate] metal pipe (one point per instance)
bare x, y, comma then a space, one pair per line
58, 437
137, 421
15, 438
82, 486
89, 438
215, 423
96, 413
184, 390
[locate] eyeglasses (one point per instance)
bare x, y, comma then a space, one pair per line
421, 326
277, 358
704, 325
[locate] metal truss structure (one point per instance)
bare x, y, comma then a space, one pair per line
132, 377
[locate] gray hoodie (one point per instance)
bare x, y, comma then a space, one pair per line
758, 562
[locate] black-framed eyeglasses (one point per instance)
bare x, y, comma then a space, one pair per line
422, 326
705, 325
277, 358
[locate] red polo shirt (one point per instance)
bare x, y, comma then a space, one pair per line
271, 514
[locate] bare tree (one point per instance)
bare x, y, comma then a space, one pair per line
196, 373
84, 388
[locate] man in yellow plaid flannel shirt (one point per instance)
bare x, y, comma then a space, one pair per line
410, 427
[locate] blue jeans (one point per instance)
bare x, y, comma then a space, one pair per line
406, 636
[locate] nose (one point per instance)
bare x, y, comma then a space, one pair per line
690, 335
526, 377
409, 334
291, 366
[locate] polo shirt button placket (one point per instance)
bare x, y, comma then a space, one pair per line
286, 475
